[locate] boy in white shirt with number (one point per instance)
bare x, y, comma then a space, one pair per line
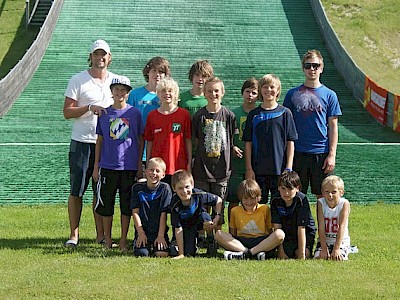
333, 216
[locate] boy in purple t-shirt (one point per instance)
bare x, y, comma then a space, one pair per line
118, 148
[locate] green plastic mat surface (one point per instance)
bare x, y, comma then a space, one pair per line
240, 38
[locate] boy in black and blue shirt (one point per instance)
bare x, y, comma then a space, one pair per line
150, 203
291, 213
269, 137
188, 214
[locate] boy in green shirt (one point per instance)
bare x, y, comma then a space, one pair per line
194, 99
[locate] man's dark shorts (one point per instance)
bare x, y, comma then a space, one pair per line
81, 162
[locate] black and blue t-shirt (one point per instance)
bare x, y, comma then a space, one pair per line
151, 204
188, 216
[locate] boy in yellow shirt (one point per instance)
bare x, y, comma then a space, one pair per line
250, 229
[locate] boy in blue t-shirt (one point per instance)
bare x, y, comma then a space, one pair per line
150, 202
315, 110
269, 137
291, 213
188, 214
145, 98
118, 148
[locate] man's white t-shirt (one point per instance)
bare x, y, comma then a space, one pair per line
85, 90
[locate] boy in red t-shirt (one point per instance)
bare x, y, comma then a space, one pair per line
168, 130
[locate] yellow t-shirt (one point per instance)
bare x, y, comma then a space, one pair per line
251, 224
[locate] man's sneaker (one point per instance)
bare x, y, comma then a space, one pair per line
229, 255
261, 255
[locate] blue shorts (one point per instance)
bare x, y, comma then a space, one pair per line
81, 162
109, 182
190, 234
309, 168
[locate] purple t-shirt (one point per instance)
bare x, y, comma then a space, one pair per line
120, 130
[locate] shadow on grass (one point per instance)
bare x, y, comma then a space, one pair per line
23, 39
86, 247
3, 3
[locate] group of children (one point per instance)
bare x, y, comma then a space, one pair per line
171, 153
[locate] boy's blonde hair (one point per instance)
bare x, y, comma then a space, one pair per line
159, 63
157, 161
269, 79
312, 54
214, 80
249, 188
335, 181
165, 84
181, 176
201, 67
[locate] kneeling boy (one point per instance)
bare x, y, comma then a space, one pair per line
250, 229
188, 214
150, 202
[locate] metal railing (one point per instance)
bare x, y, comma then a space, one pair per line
30, 9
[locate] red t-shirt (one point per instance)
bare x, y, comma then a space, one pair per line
168, 134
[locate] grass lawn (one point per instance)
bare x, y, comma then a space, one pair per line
370, 32
35, 264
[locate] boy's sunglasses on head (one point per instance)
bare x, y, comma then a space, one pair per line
309, 65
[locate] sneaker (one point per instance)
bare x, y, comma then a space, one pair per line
261, 255
212, 248
229, 255
201, 242
173, 249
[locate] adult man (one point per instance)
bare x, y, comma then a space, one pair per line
315, 109
87, 94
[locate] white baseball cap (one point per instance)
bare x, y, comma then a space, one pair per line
122, 80
100, 44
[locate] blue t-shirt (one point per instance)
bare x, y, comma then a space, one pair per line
145, 101
188, 216
120, 129
311, 108
269, 131
151, 204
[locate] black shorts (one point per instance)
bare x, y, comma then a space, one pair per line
109, 182
268, 184
81, 163
309, 168
290, 245
252, 242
